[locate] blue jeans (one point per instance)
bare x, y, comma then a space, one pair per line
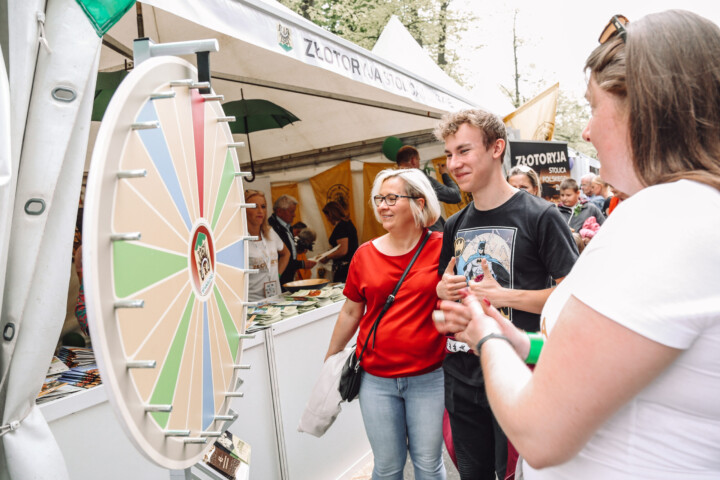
401, 414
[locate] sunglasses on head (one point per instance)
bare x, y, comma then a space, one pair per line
616, 25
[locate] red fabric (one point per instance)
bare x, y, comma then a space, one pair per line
614, 201
407, 342
512, 460
447, 436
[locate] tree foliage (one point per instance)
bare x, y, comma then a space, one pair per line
433, 23
571, 118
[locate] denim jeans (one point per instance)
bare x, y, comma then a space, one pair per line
401, 414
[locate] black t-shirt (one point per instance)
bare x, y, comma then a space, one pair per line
345, 229
526, 243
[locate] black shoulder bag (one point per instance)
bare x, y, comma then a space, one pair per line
350, 378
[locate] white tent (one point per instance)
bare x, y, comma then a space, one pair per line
348, 99
343, 94
397, 45
52, 55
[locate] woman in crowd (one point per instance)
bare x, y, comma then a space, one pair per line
401, 393
345, 235
268, 253
525, 178
626, 386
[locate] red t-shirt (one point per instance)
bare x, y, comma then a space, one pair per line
407, 342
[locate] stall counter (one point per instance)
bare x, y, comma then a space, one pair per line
285, 360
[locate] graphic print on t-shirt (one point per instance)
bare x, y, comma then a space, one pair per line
496, 245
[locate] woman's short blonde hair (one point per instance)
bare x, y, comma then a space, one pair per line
416, 185
265, 227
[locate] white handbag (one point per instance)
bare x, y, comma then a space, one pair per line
323, 406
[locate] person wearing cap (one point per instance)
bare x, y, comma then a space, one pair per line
408, 157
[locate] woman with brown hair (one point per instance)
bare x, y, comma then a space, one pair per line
626, 386
525, 178
345, 235
268, 253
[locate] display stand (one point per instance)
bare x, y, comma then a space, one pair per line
94, 445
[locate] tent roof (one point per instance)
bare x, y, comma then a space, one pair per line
343, 94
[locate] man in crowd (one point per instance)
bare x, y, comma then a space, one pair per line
281, 221
586, 185
408, 157
602, 192
506, 231
591, 186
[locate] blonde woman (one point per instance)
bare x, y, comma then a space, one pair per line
268, 254
401, 393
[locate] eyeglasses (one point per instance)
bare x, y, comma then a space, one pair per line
616, 25
390, 199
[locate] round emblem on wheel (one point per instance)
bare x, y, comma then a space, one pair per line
202, 261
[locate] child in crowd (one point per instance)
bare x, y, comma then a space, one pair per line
573, 209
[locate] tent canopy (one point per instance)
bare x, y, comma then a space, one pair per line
343, 94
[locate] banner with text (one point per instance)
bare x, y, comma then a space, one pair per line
548, 159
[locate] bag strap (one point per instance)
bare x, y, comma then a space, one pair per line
391, 298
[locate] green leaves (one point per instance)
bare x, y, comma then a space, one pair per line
432, 23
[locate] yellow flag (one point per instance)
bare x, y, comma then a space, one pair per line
334, 184
279, 189
371, 227
450, 208
536, 118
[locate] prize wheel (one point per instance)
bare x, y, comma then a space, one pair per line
165, 261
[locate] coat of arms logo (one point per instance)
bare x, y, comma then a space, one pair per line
284, 37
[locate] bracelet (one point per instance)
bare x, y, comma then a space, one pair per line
490, 337
536, 345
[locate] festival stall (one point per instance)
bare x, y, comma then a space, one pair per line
348, 101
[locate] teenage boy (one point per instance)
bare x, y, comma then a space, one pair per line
511, 245
574, 209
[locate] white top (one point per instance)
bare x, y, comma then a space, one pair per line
263, 256
654, 267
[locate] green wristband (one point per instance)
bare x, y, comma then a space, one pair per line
536, 345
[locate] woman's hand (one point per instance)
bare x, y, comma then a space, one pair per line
472, 320
518, 338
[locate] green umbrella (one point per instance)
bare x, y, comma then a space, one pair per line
256, 115
105, 86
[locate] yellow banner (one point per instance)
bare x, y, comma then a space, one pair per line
334, 184
279, 189
371, 227
450, 208
536, 118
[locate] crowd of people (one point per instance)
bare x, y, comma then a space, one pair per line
552, 364
549, 363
